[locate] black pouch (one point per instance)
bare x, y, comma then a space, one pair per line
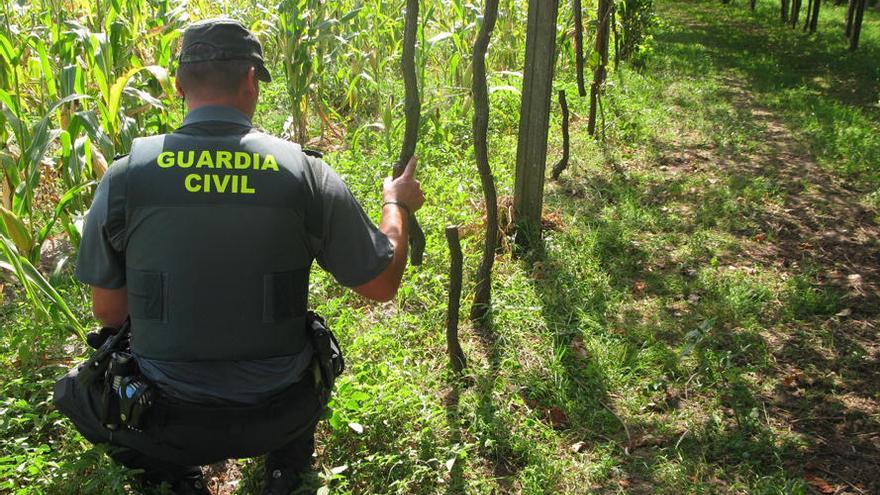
106, 342
328, 354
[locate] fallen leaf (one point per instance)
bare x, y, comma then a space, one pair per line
579, 447
624, 484
339, 469
790, 380
538, 270
820, 484
558, 418
357, 427
639, 287
760, 237
579, 349
693, 298
450, 464
844, 312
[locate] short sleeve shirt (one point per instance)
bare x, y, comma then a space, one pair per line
350, 247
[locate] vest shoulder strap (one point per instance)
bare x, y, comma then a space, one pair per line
114, 227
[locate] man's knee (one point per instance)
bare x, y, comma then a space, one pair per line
77, 402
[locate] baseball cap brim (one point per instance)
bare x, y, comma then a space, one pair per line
262, 72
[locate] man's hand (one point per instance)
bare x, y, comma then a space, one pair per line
405, 189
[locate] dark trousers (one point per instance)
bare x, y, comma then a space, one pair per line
178, 437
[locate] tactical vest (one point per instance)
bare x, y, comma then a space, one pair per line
217, 236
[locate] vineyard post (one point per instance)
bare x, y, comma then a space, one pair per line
479, 88
531, 154
412, 109
456, 355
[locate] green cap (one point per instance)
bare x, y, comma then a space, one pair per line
222, 39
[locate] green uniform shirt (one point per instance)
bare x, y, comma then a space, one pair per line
351, 248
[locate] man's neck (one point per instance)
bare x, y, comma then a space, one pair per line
225, 102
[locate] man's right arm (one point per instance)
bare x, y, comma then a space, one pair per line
403, 196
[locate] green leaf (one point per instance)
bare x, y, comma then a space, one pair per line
15, 229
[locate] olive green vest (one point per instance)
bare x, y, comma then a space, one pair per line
216, 233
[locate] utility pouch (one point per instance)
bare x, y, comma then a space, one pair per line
328, 354
106, 342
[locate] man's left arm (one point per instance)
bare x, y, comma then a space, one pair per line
101, 265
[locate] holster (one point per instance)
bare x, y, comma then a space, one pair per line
105, 342
328, 354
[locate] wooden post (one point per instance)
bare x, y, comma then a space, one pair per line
531, 153
479, 88
453, 346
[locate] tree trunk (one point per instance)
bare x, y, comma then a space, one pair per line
531, 153
795, 12
579, 45
413, 110
563, 163
752, 4
453, 346
850, 16
857, 25
808, 16
479, 88
784, 10
603, 14
814, 17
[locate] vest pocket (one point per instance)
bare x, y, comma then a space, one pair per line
146, 295
285, 295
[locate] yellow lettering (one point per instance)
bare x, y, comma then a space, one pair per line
205, 160
166, 159
188, 182
270, 163
242, 160
224, 158
220, 184
235, 184
185, 163
244, 186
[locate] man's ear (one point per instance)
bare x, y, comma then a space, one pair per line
180, 92
252, 84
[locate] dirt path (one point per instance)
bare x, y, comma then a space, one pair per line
828, 368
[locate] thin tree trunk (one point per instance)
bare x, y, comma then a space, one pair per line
616, 36
850, 16
483, 292
752, 4
814, 18
579, 45
603, 16
857, 25
563, 163
795, 12
785, 7
453, 346
808, 16
413, 110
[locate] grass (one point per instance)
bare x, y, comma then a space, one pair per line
690, 325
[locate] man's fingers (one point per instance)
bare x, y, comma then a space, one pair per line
410, 170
